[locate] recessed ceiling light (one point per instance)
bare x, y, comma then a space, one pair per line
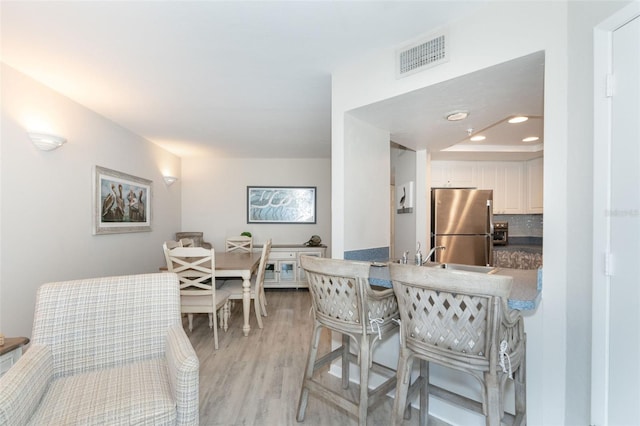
477, 138
518, 119
530, 139
457, 115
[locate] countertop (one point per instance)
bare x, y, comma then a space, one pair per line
525, 292
527, 248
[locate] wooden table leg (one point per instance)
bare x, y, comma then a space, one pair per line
246, 302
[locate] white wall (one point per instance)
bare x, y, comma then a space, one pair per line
214, 197
403, 166
366, 186
46, 210
491, 36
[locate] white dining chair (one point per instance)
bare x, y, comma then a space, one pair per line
239, 243
195, 267
235, 289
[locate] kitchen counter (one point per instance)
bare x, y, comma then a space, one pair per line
527, 248
525, 292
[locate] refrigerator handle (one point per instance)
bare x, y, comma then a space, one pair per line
490, 216
489, 248
488, 254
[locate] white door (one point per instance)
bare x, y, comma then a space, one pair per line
616, 344
624, 330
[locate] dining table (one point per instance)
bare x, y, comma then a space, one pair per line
239, 264
235, 264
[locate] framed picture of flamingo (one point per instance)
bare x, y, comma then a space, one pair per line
121, 202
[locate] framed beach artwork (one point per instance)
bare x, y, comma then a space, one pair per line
281, 204
121, 202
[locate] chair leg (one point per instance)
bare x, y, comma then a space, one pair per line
494, 403
190, 317
256, 306
363, 404
345, 361
403, 380
215, 330
263, 302
308, 374
211, 315
424, 392
520, 385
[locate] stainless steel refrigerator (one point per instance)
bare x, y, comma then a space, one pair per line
462, 221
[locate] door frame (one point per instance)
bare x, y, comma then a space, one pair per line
603, 56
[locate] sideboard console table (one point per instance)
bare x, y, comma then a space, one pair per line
283, 268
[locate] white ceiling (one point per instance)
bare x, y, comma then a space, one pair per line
246, 79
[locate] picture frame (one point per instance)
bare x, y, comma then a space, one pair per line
404, 198
122, 202
281, 204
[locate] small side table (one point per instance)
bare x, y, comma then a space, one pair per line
10, 352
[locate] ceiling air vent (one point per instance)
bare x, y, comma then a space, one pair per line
422, 55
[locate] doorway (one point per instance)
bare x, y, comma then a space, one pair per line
616, 293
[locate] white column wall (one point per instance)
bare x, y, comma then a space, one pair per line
366, 186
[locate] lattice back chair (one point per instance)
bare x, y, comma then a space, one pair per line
235, 289
239, 243
344, 302
459, 320
195, 267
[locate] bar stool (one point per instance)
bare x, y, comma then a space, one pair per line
459, 320
344, 302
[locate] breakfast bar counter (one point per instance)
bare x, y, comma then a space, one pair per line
525, 292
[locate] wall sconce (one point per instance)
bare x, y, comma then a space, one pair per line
46, 142
169, 180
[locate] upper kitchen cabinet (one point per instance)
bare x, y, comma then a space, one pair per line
453, 174
506, 179
517, 185
535, 185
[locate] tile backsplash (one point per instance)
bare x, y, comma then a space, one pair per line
522, 225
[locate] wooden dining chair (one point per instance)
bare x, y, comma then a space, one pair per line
235, 289
239, 243
168, 245
195, 267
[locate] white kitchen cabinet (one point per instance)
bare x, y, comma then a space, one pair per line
513, 187
506, 179
535, 185
509, 181
491, 176
283, 268
453, 174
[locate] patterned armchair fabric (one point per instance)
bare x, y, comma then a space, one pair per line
105, 351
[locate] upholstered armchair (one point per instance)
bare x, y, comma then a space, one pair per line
196, 237
105, 351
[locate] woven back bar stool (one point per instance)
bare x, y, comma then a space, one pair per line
459, 320
344, 302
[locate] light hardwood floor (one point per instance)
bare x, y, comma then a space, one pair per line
256, 380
